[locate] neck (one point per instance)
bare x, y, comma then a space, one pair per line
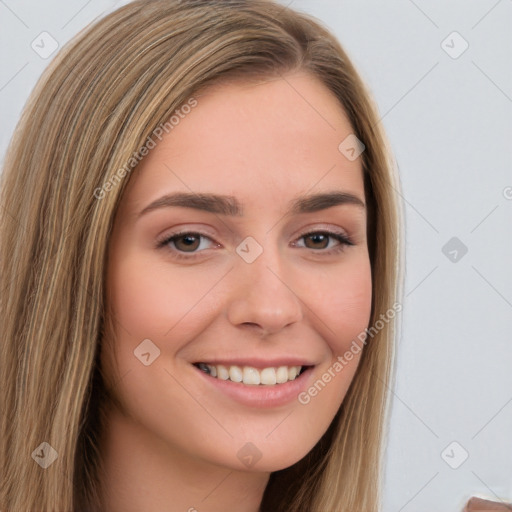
142, 472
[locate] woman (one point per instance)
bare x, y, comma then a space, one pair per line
199, 270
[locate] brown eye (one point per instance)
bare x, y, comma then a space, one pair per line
187, 243
317, 241
325, 242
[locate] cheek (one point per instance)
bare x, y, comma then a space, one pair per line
343, 303
139, 302
150, 302
342, 306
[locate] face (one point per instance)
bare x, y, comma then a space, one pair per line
239, 253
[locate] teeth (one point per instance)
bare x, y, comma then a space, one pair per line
235, 374
268, 376
252, 376
222, 372
282, 374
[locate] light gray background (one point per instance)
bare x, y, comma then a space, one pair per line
449, 121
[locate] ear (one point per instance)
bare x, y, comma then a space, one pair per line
480, 505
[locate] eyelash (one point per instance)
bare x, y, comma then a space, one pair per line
343, 240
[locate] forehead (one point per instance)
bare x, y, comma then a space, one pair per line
255, 141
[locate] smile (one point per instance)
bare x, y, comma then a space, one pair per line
252, 376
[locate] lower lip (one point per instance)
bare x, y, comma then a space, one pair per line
261, 395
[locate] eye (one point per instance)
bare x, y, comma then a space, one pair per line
322, 240
187, 242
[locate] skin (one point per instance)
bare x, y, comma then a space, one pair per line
172, 438
480, 505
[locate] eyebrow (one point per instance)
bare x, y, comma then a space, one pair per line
229, 205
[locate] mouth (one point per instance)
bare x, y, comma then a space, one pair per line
270, 376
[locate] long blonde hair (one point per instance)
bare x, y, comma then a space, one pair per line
93, 108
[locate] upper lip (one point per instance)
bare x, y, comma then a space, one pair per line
257, 363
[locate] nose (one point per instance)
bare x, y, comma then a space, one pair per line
263, 296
